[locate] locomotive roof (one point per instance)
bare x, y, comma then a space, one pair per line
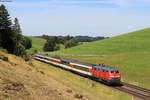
104, 67
78, 62
65, 60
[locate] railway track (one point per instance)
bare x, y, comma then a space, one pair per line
136, 91
136, 87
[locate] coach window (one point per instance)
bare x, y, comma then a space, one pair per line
97, 69
100, 69
94, 68
103, 70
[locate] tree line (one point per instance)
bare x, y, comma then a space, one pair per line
11, 37
53, 42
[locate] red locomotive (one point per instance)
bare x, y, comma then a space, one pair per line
106, 74
101, 72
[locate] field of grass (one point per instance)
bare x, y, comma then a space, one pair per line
130, 53
37, 44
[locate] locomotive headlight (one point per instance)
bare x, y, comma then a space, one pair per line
117, 75
112, 76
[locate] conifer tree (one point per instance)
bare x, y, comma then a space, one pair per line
6, 34
16, 26
19, 48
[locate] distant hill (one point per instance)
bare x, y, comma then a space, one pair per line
88, 38
37, 44
130, 53
79, 38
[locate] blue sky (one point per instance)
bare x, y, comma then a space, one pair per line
80, 17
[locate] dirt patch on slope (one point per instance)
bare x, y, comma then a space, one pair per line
14, 90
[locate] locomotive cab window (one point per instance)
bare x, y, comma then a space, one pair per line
117, 71
112, 71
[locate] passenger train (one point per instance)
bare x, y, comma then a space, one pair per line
101, 72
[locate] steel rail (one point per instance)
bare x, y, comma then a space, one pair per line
134, 93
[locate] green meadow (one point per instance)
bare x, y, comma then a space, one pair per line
37, 44
130, 53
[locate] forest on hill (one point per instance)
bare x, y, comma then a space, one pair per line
11, 37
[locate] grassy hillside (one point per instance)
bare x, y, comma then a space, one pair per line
130, 53
37, 44
20, 80
138, 41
